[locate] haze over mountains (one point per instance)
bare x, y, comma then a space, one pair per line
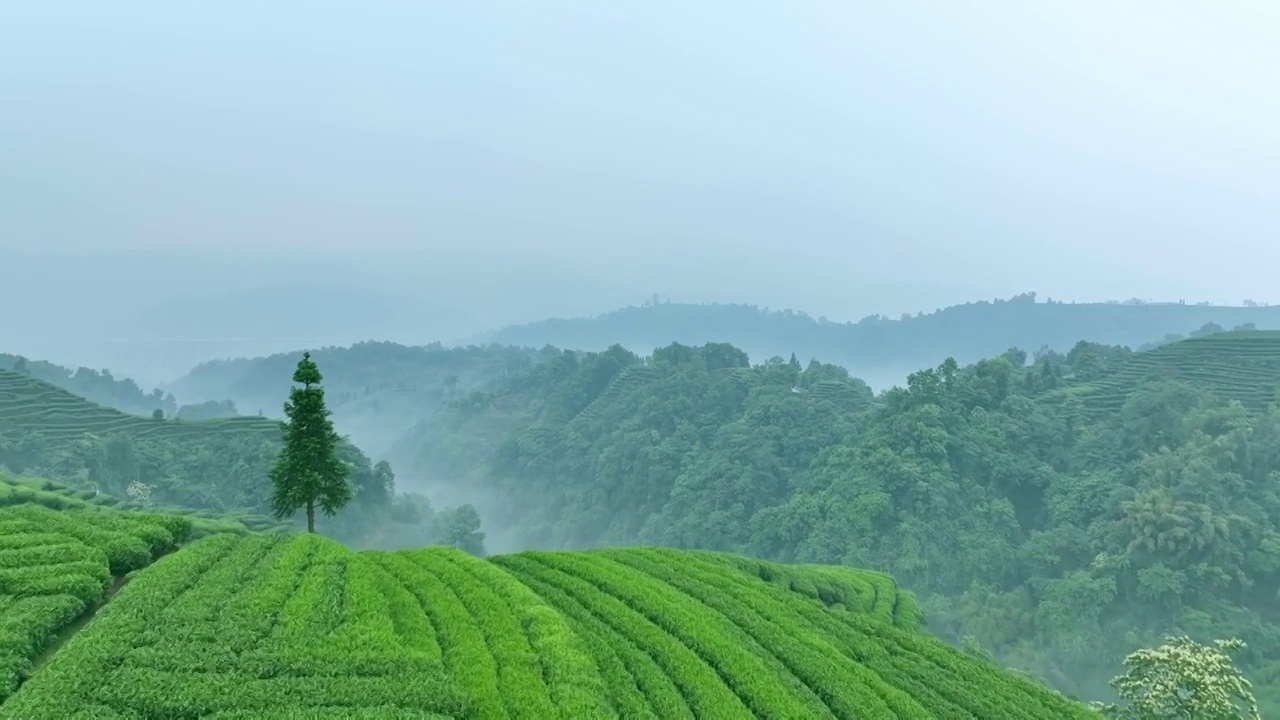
441, 173
153, 315
891, 348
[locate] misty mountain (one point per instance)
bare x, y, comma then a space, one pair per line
376, 390
153, 316
882, 350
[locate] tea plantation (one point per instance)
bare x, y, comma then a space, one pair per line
16, 490
30, 404
268, 625
1241, 365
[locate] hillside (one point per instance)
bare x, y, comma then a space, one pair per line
215, 467
375, 389
880, 350
16, 490
1243, 366
100, 386
28, 402
55, 566
241, 626
1059, 536
218, 464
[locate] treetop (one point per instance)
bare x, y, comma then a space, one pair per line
308, 373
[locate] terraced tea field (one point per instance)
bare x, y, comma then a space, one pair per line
15, 490
55, 565
1238, 365
254, 626
31, 405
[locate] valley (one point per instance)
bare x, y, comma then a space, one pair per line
1052, 513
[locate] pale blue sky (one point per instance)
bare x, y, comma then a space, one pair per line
838, 157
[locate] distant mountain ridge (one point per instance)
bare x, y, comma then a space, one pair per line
880, 350
377, 390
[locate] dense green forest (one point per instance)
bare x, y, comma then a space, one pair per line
883, 350
1058, 511
375, 389
215, 465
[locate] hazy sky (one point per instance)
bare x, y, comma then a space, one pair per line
838, 157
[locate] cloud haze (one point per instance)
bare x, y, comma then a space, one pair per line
521, 159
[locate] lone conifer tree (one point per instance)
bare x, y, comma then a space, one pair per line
308, 471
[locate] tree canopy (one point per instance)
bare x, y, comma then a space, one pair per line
1061, 510
308, 472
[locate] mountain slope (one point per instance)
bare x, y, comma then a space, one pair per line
100, 386
292, 626
880, 350
27, 402
375, 389
219, 465
1059, 535
201, 467
1241, 365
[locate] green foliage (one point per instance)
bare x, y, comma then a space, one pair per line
882, 350
308, 472
55, 565
16, 490
208, 410
375, 389
99, 386
216, 465
1056, 534
1242, 365
1184, 680
299, 626
214, 468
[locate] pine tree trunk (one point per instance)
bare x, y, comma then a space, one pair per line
311, 516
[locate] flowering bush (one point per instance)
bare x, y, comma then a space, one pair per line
1184, 679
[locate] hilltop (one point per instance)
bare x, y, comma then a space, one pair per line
253, 625
881, 350
1059, 533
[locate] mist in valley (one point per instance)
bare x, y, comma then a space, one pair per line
968, 298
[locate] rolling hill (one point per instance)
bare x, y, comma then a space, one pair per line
294, 626
216, 464
100, 386
1062, 536
207, 468
376, 389
30, 404
1240, 365
15, 490
880, 350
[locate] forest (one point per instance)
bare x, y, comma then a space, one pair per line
1053, 512
1058, 511
884, 350
117, 609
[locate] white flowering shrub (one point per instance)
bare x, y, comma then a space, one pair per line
1184, 680
139, 492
